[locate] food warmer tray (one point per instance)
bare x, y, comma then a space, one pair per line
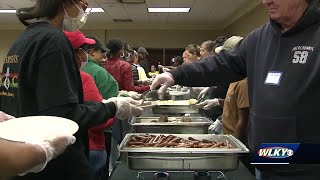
184, 159
198, 125
174, 107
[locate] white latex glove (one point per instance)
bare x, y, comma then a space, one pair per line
164, 79
52, 147
207, 104
126, 107
165, 69
216, 126
134, 95
122, 92
197, 90
4, 116
146, 81
203, 92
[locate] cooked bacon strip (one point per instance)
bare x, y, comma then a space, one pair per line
174, 141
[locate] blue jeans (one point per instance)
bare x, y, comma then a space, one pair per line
97, 160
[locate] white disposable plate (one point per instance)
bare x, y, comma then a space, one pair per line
36, 128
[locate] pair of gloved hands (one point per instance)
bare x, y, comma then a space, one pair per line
52, 146
166, 80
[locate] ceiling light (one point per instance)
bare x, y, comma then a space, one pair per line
168, 10
95, 10
7, 11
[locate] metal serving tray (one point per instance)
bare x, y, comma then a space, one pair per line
198, 125
184, 159
177, 107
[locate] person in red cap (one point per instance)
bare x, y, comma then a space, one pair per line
78, 42
97, 154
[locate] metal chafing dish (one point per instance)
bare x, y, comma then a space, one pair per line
198, 125
174, 107
184, 159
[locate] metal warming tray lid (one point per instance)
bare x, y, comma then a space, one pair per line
175, 125
172, 121
174, 107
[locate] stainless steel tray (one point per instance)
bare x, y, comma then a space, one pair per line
198, 125
184, 159
175, 107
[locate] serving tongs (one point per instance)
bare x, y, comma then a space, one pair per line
147, 97
150, 95
199, 100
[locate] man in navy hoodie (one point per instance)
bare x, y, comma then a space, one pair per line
281, 62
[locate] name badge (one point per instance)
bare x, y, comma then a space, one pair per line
273, 78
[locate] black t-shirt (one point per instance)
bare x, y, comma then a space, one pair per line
42, 62
40, 77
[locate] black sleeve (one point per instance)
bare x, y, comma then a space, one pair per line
56, 79
224, 68
85, 115
58, 89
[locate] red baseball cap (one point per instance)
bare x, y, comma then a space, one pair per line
77, 39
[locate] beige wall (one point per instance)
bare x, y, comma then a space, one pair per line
163, 38
6, 40
136, 38
248, 22
153, 38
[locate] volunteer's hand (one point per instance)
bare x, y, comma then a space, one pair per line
146, 82
165, 69
4, 116
164, 79
126, 107
197, 90
134, 95
208, 104
52, 147
203, 92
216, 126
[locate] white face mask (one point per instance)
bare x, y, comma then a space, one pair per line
73, 24
83, 63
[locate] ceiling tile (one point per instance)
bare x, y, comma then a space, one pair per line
107, 1
158, 17
116, 11
214, 13
158, 3
181, 3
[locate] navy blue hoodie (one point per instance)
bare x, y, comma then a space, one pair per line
282, 113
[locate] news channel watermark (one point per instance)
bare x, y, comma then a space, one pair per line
287, 153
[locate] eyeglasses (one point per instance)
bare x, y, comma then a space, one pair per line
104, 55
88, 51
86, 8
